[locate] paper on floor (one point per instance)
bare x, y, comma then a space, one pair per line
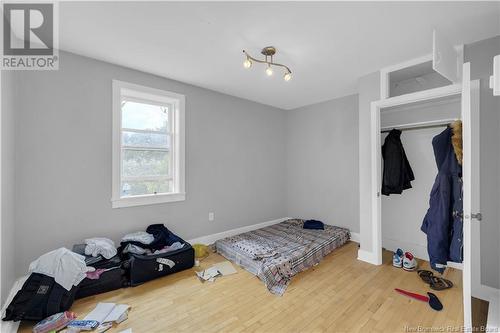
108, 312
128, 330
225, 268
117, 313
208, 274
216, 270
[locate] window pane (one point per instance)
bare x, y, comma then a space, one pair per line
150, 140
145, 163
142, 187
144, 116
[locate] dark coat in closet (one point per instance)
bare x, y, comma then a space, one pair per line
443, 222
397, 171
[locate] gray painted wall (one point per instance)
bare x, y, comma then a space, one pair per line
481, 54
234, 163
7, 149
322, 162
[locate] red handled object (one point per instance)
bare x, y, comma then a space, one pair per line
432, 300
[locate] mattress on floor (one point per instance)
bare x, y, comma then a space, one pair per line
278, 252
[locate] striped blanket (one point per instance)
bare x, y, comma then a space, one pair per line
278, 252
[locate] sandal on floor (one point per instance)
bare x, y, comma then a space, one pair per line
426, 276
435, 282
438, 283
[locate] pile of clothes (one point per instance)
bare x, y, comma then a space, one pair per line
66, 267
96, 249
53, 281
70, 268
95, 266
155, 240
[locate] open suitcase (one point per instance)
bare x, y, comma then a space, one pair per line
110, 280
113, 278
142, 268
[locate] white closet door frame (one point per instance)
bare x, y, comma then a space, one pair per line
471, 193
375, 256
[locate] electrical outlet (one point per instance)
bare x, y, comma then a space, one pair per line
211, 216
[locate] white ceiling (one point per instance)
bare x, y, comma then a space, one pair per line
328, 46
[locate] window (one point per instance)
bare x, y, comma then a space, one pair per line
148, 145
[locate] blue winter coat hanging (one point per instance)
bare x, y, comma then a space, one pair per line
443, 222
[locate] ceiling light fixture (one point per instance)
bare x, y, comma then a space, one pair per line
268, 53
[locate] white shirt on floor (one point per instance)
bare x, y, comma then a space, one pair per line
66, 267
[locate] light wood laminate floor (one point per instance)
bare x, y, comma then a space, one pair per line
341, 294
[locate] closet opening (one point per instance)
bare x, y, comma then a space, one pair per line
413, 110
402, 214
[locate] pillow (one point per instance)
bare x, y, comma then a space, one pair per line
314, 224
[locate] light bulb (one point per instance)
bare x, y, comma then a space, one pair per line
247, 63
287, 76
269, 70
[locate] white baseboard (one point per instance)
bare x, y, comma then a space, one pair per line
493, 323
455, 265
485, 292
418, 250
367, 256
355, 237
210, 239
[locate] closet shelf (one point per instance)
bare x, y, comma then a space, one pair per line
418, 125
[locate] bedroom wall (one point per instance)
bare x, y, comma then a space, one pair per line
7, 185
481, 54
400, 228
235, 153
322, 162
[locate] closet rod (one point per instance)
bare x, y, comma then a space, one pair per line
420, 125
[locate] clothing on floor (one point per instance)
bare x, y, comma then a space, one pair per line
95, 275
162, 237
100, 246
135, 249
79, 248
89, 260
66, 267
443, 222
314, 225
140, 236
397, 173
173, 247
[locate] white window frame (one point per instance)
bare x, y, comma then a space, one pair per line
178, 144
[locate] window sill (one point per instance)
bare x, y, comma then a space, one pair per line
147, 200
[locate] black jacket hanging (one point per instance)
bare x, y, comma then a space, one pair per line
397, 171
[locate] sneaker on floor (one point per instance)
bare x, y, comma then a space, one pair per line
409, 262
397, 258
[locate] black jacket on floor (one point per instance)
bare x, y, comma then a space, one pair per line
397, 171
